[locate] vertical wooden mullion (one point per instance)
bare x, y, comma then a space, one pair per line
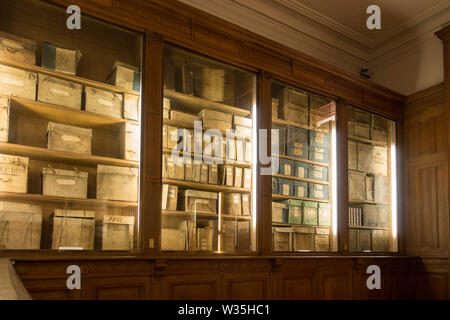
342, 174
152, 144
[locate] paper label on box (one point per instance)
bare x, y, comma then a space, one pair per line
318, 194
202, 201
298, 152
318, 174
286, 189
236, 199
320, 138
70, 138
300, 172
238, 173
318, 155
13, 82
287, 169
59, 92
300, 191
65, 182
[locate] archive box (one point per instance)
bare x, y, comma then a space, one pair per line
103, 102
319, 139
169, 197
242, 121
295, 134
324, 214
125, 77
242, 131
361, 130
189, 172
383, 216
275, 187
200, 201
353, 240
240, 150
248, 151
294, 106
229, 240
282, 238
294, 208
297, 150
378, 134
322, 231
4, 119
243, 240
287, 167
117, 232
18, 49
117, 183
318, 154
130, 142
380, 155
172, 138
310, 211
356, 185
369, 215
60, 59
204, 173
17, 82
20, 226
303, 239
213, 173
321, 243
352, 155
364, 241
380, 240
166, 108
173, 168
279, 144
285, 187
232, 204
275, 104
301, 189
318, 191
213, 84
64, 183
246, 204
13, 173
59, 92
362, 116
350, 127
280, 212
184, 117
365, 157
216, 119
302, 169
238, 177
205, 238
73, 229
247, 178
173, 234
131, 107
381, 189
67, 138
226, 175
369, 187
318, 173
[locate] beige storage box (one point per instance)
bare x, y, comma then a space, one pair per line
117, 183
229, 239
4, 119
205, 239
282, 238
13, 173
183, 117
322, 243
20, 226
247, 178
216, 119
200, 201
59, 92
303, 239
17, 82
380, 240
294, 106
169, 197
130, 141
380, 164
67, 138
277, 212
64, 183
232, 204
131, 107
60, 59
125, 76
365, 158
103, 102
173, 234
73, 230
246, 204
166, 108
361, 130
117, 232
18, 49
213, 84
241, 121
173, 168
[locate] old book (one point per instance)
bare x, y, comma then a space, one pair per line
131, 107
125, 76
117, 183
380, 164
353, 240
200, 201
380, 240
4, 119
60, 59
322, 243
381, 189
243, 240
362, 130
232, 203
303, 241
213, 174
242, 121
17, 82
189, 172
246, 204
18, 49
103, 102
172, 137
247, 178
275, 104
13, 173
204, 172
130, 141
362, 116
173, 234
248, 151
278, 145
229, 241
294, 106
322, 231
369, 215
64, 183
365, 158
226, 175
231, 149
183, 117
73, 229
364, 241
174, 168
369, 188
216, 119
243, 131
319, 139
213, 84
282, 239
197, 170
295, 134
205, 239
117, 232
356, 185
383, 216
352, 155
280, 212
240, 150
67, 138
287, 167
379, 134
238, 177
60, 92
20, 226
169, 197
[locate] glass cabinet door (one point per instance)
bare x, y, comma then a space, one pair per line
70, 131
372, 194
208, 180
303, 171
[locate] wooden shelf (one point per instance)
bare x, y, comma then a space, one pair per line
64, 115
281, 224
62, 156
301, 160
205, 187
82, 81
185, 214
301, 179
367, 228
196, 104
367, 202
216, 160
282, 122
185, 125
372, 142
282, 197
42, 198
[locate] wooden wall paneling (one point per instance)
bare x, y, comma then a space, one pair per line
118, 288
431, 279
335, 279
264, 202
